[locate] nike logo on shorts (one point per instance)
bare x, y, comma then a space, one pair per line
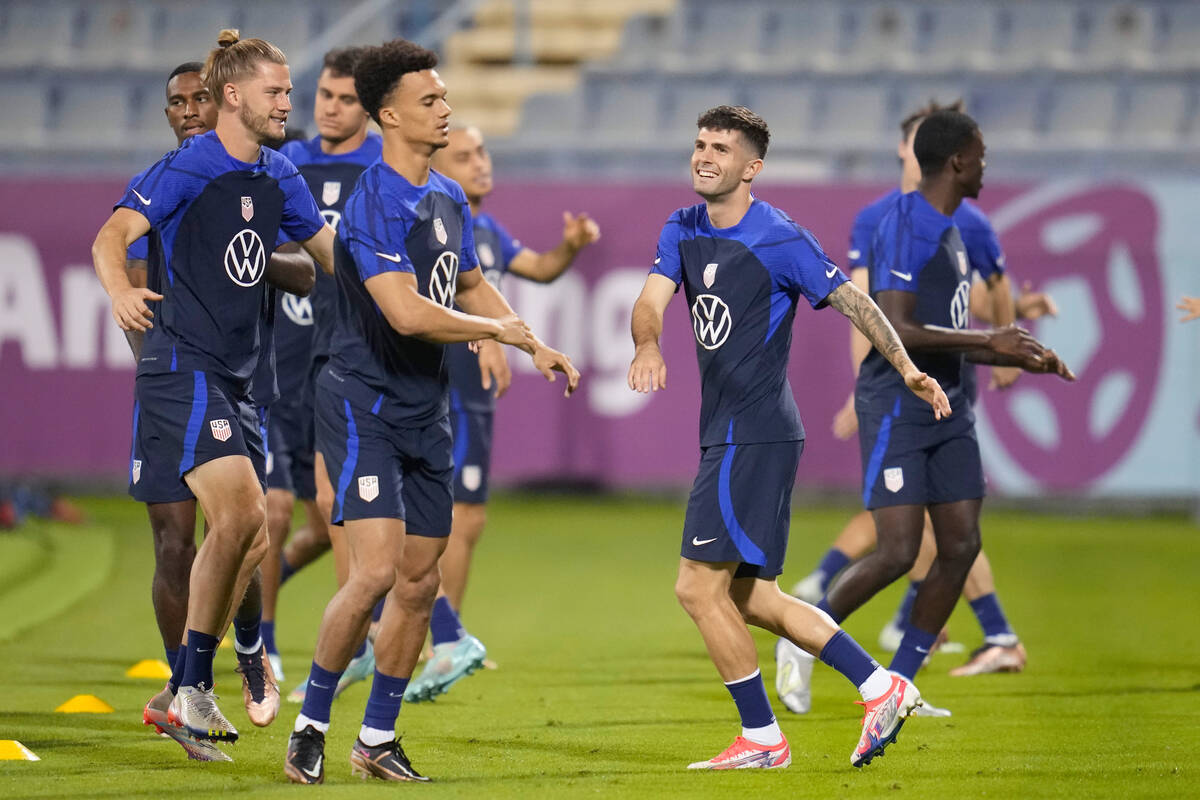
698, 542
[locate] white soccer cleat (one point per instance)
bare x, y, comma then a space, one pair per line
793, 676
927, 710
883, 719
745, 754
809, 587
196, 711
890, 637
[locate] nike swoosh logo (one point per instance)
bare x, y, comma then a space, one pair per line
907, 276
315, 772
397, 258
922, 650
318, 685
829, 273
697, 542
145, 202
198, 650
393, 694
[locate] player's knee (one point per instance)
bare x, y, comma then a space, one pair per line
961, 552
470, 519
258, 547
373, 580
692, 594
173, 552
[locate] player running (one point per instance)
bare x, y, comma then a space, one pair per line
476, 380
214, 209
744, 266
405, 255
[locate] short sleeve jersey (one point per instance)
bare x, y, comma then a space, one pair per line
742, 286
214, 222
495, 249
918, 249
390, 225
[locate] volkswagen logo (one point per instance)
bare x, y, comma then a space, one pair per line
443, 279
711, 321
245, 258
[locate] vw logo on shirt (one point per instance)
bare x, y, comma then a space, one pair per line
443, 279
297, 309
245, 258
711, 321
960, 306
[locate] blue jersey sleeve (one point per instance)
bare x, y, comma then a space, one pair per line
509, 247
159, 191
983, 246
139, 250
897, 255
861, 236
301, 217
666, 260
467, 260
375, 239
808, 271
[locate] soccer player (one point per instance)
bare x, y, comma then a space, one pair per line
330, 163
405, 255
744, 266
214, 208
476, 380
920, 275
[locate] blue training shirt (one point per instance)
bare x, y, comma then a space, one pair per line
390, 225
215, 221
742, 286
918, 249
495, 249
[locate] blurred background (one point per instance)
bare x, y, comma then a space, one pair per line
1089, 109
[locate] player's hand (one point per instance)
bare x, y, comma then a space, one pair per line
494, 372
845, 421
929, 390
130, 311
514, 331
1032, 305
579, 231
648, 372
1191, 308
547, 360
1004, 377
1017, 344
1052, 364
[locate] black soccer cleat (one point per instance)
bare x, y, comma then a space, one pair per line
386, 761
305, 762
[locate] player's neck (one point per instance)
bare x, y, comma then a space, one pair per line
332, 148
413, 165
237, 141
942, 193
475, 203
727, 210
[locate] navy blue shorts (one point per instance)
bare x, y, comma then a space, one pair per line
472, 454
290, 457
380, 469
182, 420
908, 463
740, 506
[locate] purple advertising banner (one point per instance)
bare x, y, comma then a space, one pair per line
65, 400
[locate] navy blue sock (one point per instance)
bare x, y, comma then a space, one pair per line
318, 696
914, 647
177, 667
750, 697
268, 636
444, 625
383, 706
200, 650
991, 617
377, 611
904, 612
286, 570
362, 649
831, 564
172, 654
247, 633
824, 606
847, 656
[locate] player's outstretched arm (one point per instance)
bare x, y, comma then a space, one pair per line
856, 306
291, 270
412, 314
578, 232
1034, 305
1191, 308
648, 372
320, 247
129, 308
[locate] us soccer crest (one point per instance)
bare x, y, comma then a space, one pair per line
368, 487
439, 230
710, 275
330, 192
962, 262
136, 470
486, 256
220, 429
247, 208
893, 479
472, 477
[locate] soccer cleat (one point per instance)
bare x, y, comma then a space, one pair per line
992, 658
451, 662
883, 718
793, 676
809, 588
359, 669
386, 761
297, 695
155, 713
927, 710
305, 760
745, 754
260, 692
277, 666
196, 711
890, 637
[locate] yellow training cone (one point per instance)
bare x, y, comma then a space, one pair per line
12, 750
85, 704
149, 668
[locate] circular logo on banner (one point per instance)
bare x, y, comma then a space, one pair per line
245, 258
711, 321
1094, 249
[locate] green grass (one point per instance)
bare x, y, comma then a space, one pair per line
604, 688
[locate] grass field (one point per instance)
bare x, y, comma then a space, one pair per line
604, 688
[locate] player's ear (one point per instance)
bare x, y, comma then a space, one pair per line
388, 117
230, 94
752, 169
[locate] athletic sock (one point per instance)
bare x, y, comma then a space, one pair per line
361, 651
833, 562
904, 612
758, 722
247, 634
847, 656
197, 670
286, 570
172, 654
268, 636
824, 606
383, 706
318, 696
996, 629
303, 722
444, 625
177, 669
377, 611
876, 686
914, 648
